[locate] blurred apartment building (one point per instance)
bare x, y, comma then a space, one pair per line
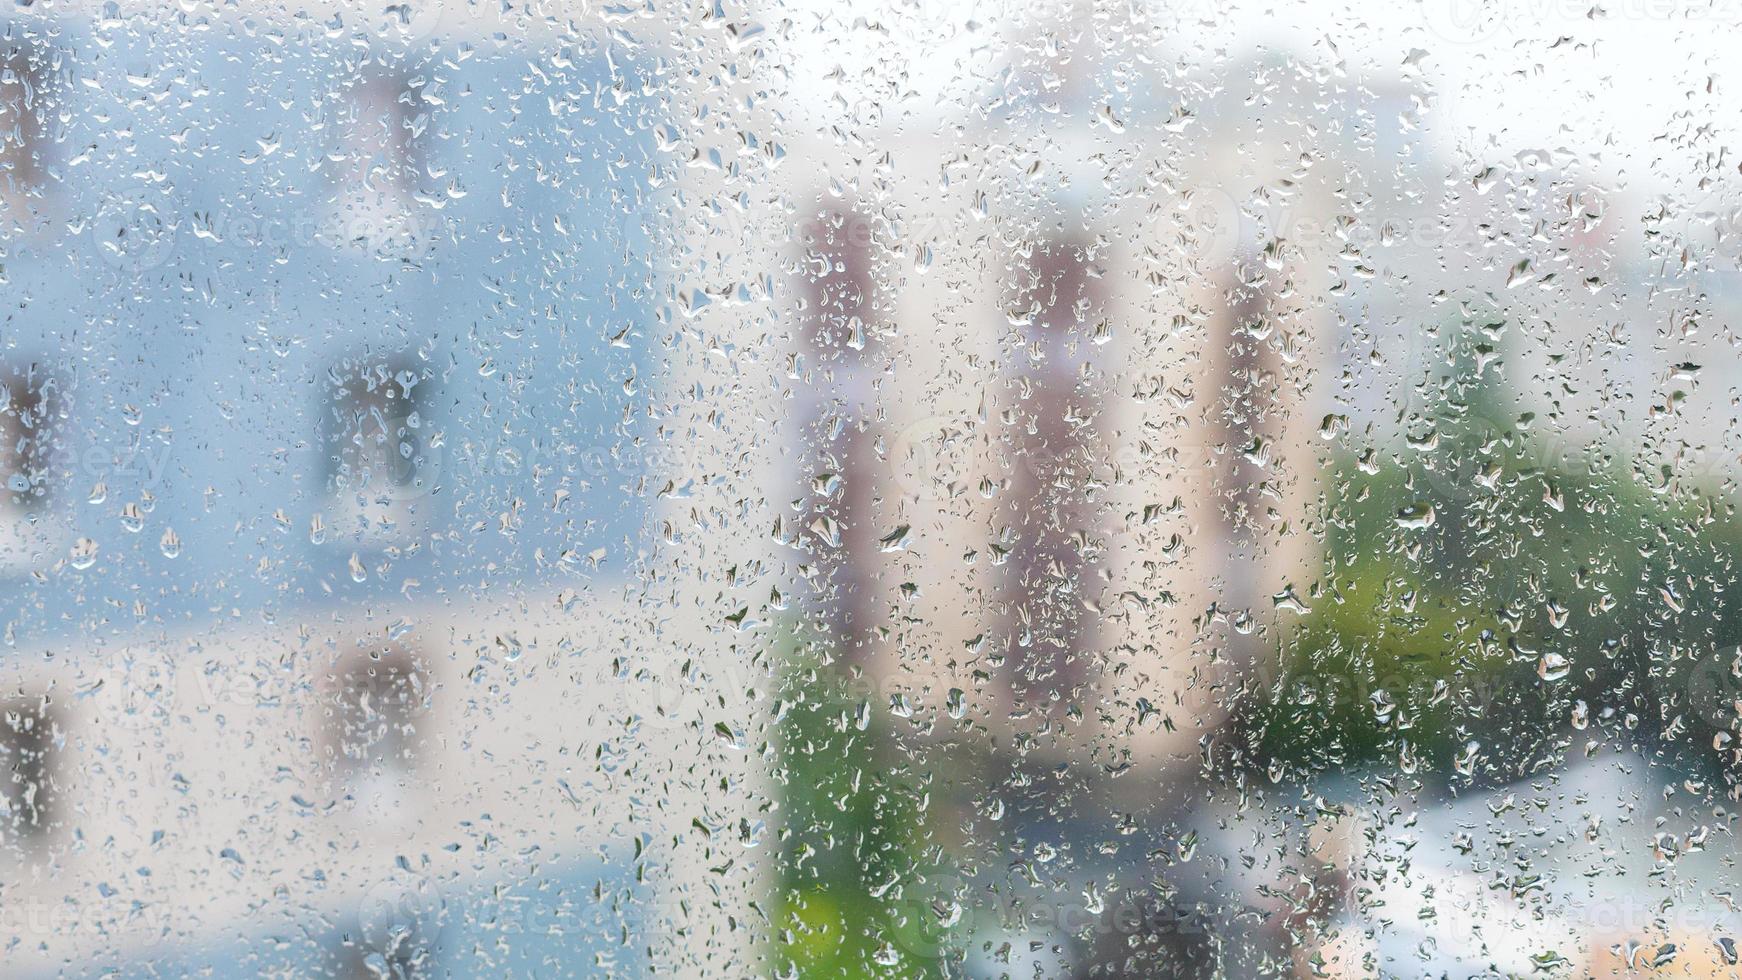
321, 475
1097, 414
1066, 378
1055, 447
1070, 359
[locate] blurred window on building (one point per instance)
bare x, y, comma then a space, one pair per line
373, 161
28, 736
396, 935
379, 452
25, 441
374, 731
837, 360
24, 113
1054, 415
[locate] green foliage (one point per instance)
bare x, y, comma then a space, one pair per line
854, 840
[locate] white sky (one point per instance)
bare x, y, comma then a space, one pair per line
1520, 74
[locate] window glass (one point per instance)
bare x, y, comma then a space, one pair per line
958, 488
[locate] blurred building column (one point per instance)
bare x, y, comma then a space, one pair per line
838, 429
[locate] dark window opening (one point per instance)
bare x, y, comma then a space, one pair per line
24, 113
377, 430
25, 439
28, 732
